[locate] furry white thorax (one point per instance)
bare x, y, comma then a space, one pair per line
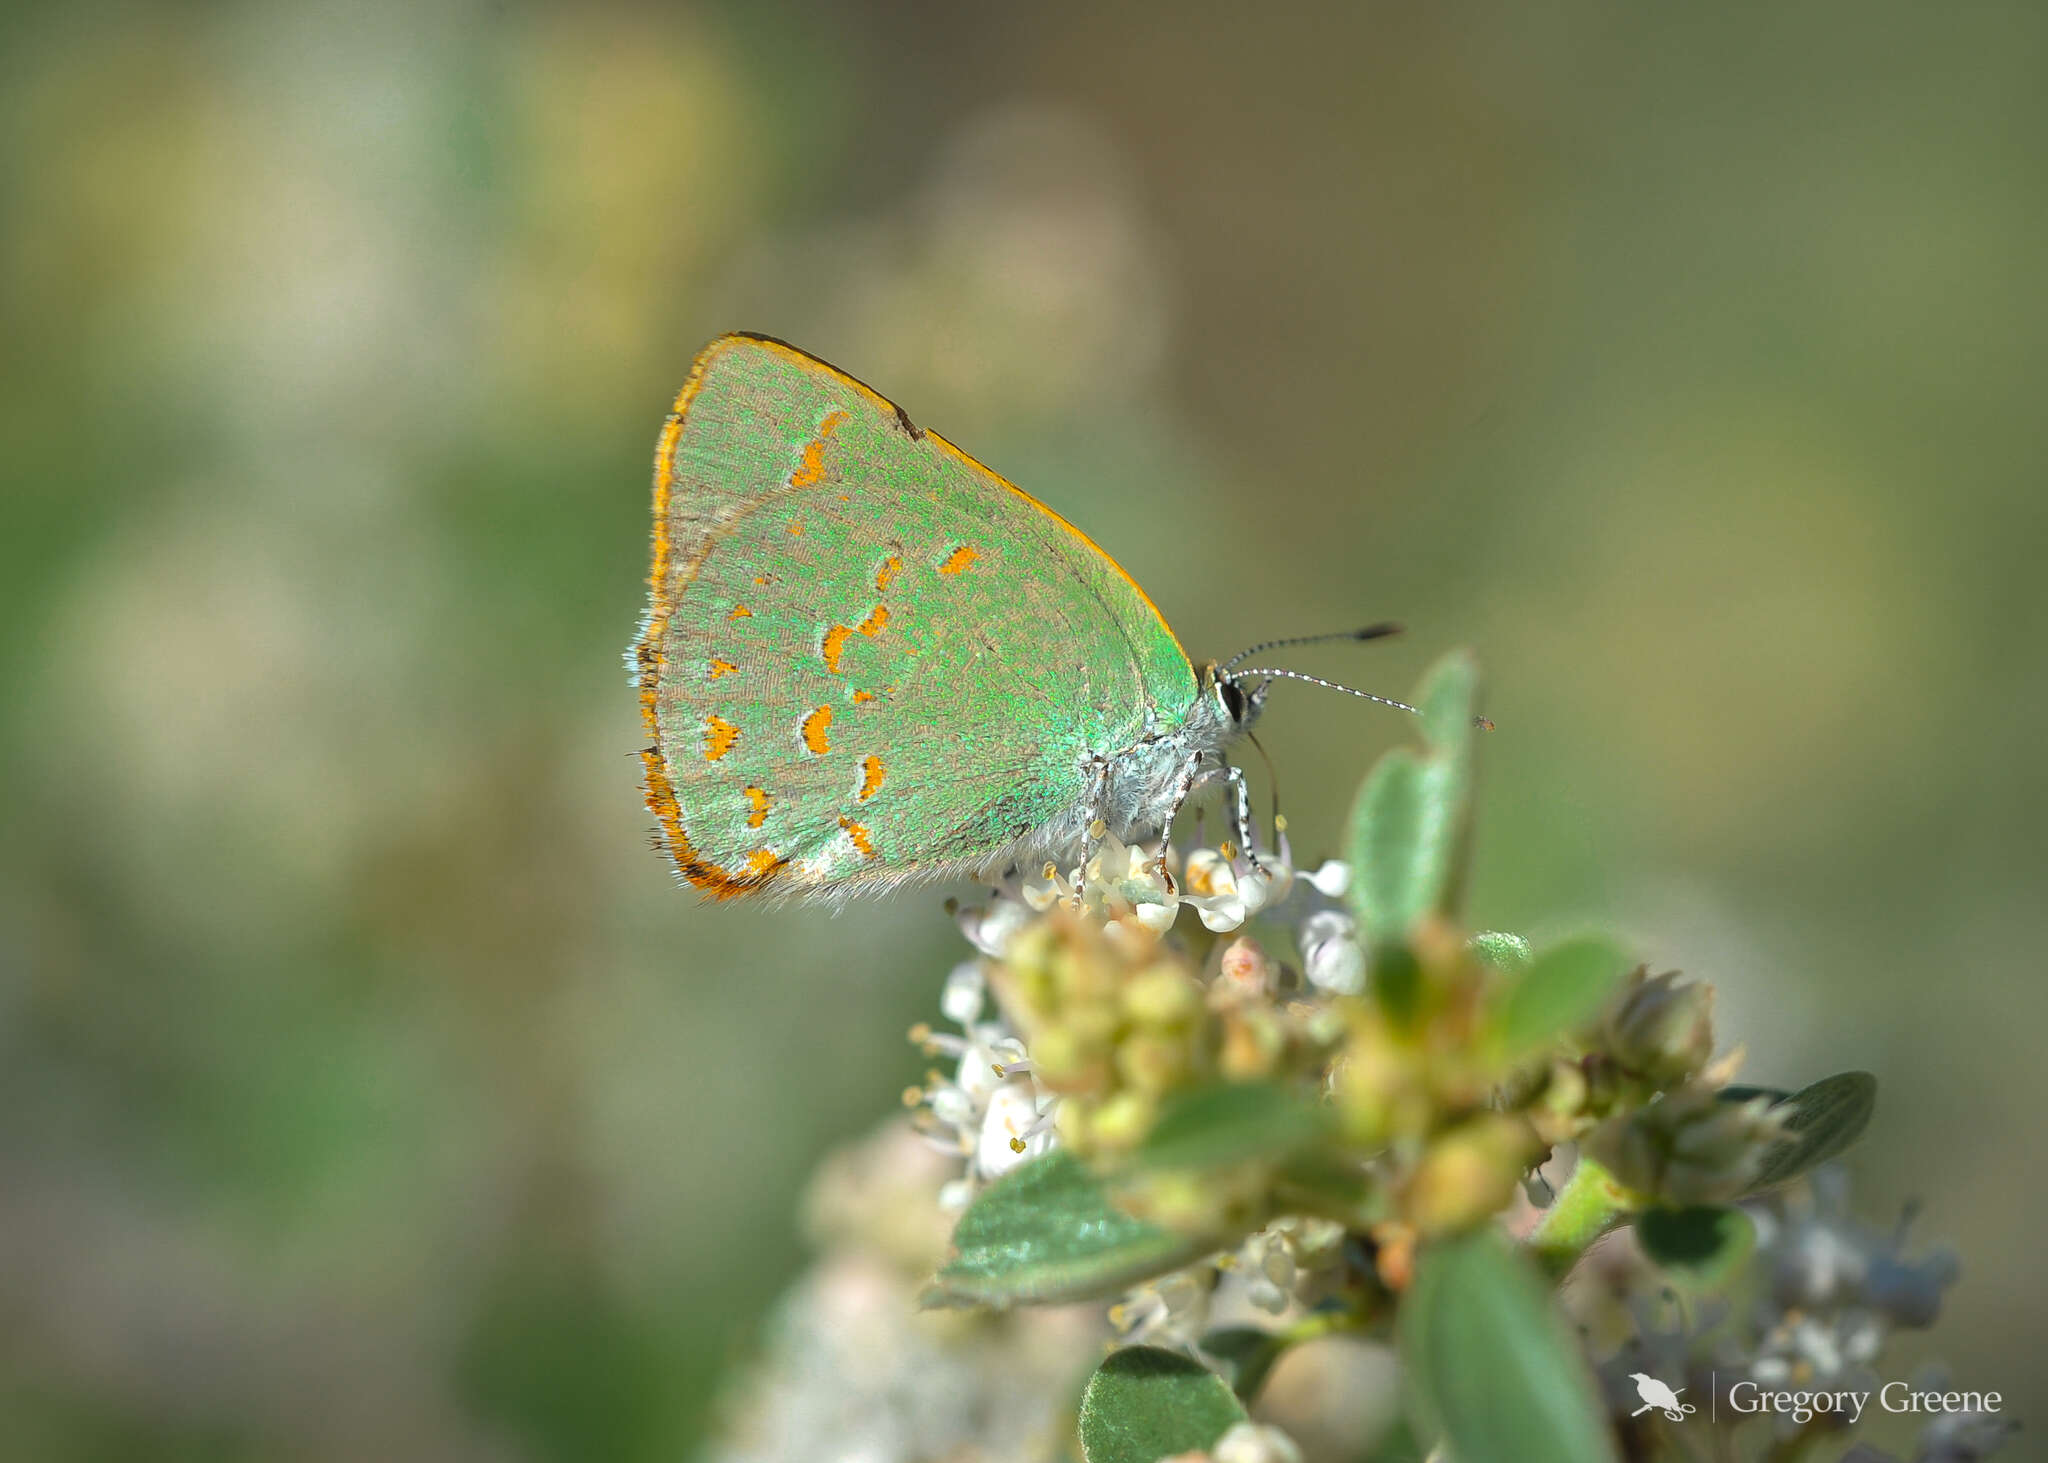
1144, 784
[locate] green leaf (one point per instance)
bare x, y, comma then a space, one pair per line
1565, 987
1226, 1123
1737, 1092
1046, 1231
1448, 700
1247, 1354
1398, 1445
1509, 954
1490, 1366
1702, 1244
1408, 827
1826, 1118
1144, 1404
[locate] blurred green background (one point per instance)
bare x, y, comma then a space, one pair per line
366, 1088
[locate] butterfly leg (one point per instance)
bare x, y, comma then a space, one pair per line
1190, 774
1241, 816
1097, 827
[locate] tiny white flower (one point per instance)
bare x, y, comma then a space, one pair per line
1251, 1442
1012, 1130
986, 1064
1331, 955
1332, 880
1209, 875
1171, 1311
990, 929
1158, 918
966, 991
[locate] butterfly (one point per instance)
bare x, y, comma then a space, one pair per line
867, 660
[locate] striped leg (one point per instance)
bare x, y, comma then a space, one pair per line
1241, 817
1190, 774
1091, 841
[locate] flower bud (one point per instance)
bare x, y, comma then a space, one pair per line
1121, 1121
1661, 1030
1153, 1063
1252, 1045
1244, 975
1067, 1064
1469, 1174
1688, 1147
1161, 996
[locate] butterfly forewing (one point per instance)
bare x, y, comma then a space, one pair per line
867, 657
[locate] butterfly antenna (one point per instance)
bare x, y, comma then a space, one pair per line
1327, 685
1479, 721
1369, 632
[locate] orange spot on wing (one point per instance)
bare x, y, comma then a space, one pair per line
672, 557
870, 776
812, 469
886, 575
835, 646
814, 730
719, 735
723, 668
958, 560
760, 579
761, 863
740, 612
860, 838
758, 801
862, 697
796, 528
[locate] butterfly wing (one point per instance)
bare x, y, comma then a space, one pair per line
866, 657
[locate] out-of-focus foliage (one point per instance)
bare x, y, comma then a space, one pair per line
368, 1089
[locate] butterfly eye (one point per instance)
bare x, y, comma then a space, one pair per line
1233, 699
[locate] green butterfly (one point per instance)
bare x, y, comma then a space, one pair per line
868, 660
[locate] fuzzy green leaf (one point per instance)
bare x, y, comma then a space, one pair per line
1448, 700
1046, 1231
1701, 1244
1408, 827
1564, 988
1826, 1118
1144, 1404
1490, 1365
1506, 953
1397, 846
1225, 1123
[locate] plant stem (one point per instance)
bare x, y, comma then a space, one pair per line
1591, 1203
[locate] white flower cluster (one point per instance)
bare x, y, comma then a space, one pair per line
1126, 882
988, 1110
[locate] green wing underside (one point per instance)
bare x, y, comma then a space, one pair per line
880, 659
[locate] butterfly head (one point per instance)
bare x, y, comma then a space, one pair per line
1227, 706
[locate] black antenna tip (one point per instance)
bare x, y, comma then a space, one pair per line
1377, 632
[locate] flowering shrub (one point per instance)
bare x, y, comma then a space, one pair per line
1313, 1106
